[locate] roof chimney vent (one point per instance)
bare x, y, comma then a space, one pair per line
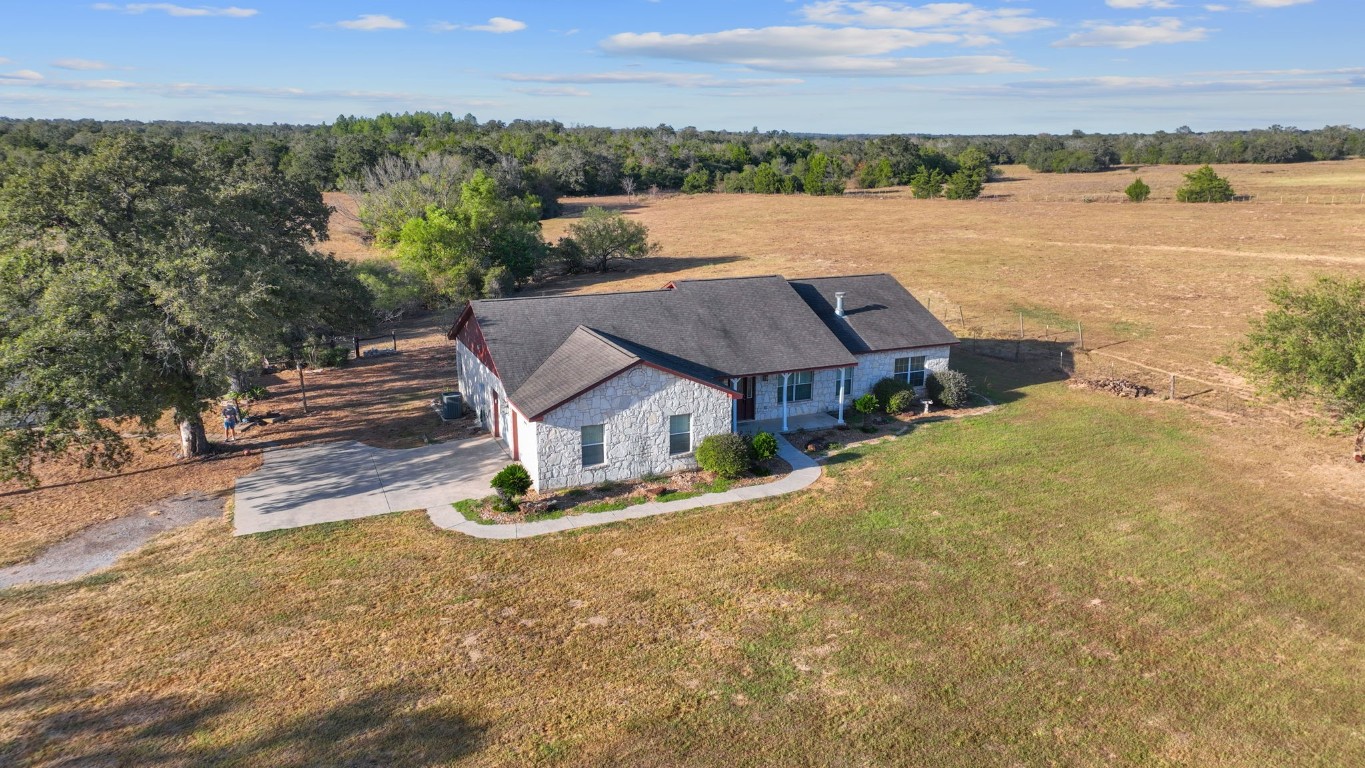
839, 303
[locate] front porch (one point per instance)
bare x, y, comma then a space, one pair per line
808, 422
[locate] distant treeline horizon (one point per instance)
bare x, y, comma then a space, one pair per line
549, 159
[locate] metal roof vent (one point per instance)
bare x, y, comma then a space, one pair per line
839, 303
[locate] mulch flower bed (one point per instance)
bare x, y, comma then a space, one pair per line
876, 427
617, 495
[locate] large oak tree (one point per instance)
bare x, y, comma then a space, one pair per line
136, 279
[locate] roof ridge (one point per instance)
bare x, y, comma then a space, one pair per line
840, 277
603, 337
568, 295
718, 279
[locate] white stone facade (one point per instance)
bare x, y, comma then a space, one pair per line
634, 409
875, 366
477, 386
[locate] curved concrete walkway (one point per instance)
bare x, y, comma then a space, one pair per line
804, 472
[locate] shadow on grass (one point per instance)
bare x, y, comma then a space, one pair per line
386, 725
1001, 369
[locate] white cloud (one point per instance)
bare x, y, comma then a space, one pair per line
1161, 31
20, 77
1214, 8
738, 46
81, 65
1140, 4
372, 22
498, 25
673, 79
562, 90
1286, 82
178, 10
845, 51
939, 16
4, 60
1278, 3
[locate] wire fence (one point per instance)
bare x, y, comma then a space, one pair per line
1072, 349
1349, 198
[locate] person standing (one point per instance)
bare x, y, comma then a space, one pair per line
230, 418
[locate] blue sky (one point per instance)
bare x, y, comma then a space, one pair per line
996, 66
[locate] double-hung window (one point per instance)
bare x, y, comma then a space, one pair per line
594, 445
799, 387
680, 434
910, 370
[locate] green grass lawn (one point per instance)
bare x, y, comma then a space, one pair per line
1073, 579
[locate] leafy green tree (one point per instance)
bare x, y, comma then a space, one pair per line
822, 176
766, 179
1311, 344
697, 182
456, 248
1204, 186
964, 185
1138, 191
927, 183
395, 289
604, 236
975, 161
878, 174
137, 280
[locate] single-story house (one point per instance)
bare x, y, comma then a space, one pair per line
588, 388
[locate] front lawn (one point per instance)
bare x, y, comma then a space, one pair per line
1073, 579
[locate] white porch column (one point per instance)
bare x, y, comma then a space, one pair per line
734, 408
785, 376
841, 395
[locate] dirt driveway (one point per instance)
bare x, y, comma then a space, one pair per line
343, 481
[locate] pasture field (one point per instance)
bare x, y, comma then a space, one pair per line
1071, 579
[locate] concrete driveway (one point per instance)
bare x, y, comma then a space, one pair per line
344, 481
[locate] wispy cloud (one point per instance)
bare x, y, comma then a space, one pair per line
815, 50
4, 60
1287, 82
957, 17
563, 90
372, 22
672, 79
20, 77
1160, 31
1278, 3
1140, 4
498, 25
82, 65
171, 9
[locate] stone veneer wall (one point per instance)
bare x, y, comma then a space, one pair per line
477, 385
871, 368
634, 408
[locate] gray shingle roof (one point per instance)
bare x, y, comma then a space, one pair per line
879, 314
548, 349
716, 328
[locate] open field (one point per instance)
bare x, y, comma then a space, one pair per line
1071, 579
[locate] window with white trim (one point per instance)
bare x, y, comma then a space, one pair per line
910, 370
800, 386
680, 434
593, 437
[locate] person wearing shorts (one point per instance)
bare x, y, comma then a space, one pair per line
230, 417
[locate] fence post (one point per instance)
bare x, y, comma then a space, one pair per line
1173, 386
356, 339
931, 305
1021, 326
394, 336
1080, 335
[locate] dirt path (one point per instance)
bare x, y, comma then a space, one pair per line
99, 546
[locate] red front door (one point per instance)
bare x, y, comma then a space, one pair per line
745, 407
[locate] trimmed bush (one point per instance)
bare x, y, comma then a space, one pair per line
948, 387
1138, 190
510, 482
901, 402
727, 456
865, 404
764, 445
886, 388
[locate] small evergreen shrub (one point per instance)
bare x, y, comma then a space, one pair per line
865, 404
728, 456
764, 445
886, 388
948, 387
1138, 190
901, 402
510, 482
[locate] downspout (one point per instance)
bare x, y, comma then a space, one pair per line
785, 376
